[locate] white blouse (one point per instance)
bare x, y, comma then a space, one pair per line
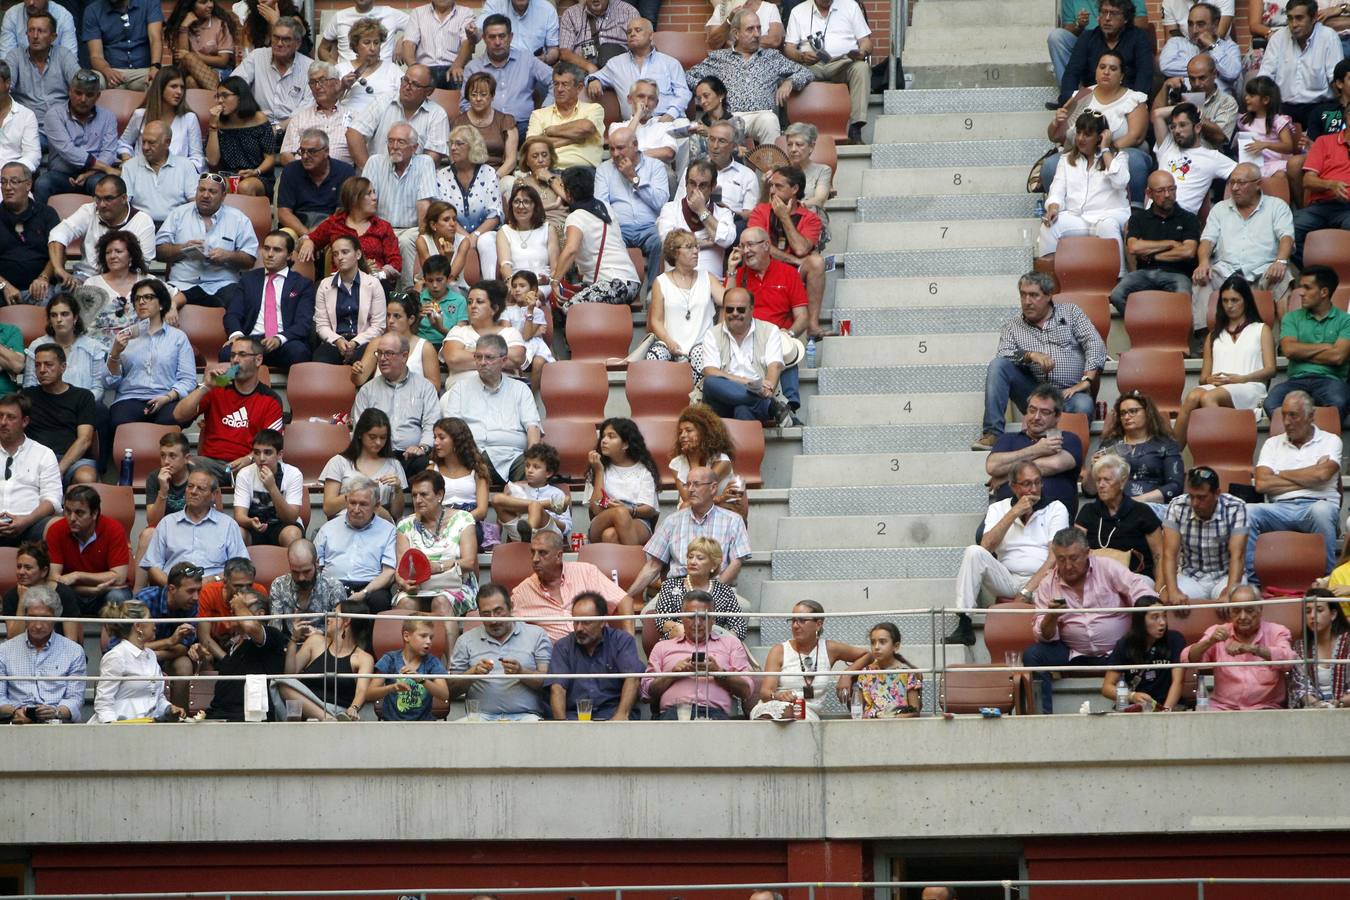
117, 700
1084, 189
185, 139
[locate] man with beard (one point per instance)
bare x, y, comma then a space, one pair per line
594, 647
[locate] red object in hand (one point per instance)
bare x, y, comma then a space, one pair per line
414, 567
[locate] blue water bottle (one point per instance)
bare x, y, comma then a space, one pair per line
128, 464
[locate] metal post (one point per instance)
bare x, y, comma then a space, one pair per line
1199, 889
1007, 890
893, 52
810, 892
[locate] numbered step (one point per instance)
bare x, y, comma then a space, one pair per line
874, 532
914, 409
912, 350
959, 127
845, 470
942, 180
864, 237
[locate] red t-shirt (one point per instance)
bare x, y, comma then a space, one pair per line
808, 225
230, 420
108, 547
1328, 158
211, 604
776, 294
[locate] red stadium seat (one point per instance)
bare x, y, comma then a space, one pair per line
1077, 423
1328, 247
31, 320
1159, 320
142, 439
9, 556
825, 106
388, 634
319, 389
205, 329
448, 100
258, 210
1289, 561
1225, 440
1096, 305
968, 689
1159, 374
573, 439
656, 388
310, 445
609, 102
1087, 264
659, 433
597, 332
122, 104
511, 564
748, 439
65, 204
689, 47
575, 389
609, 558
118, 501
270, 563
1327, 418
1265, 305
200, 101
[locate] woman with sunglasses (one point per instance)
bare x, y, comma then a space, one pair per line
242, 142
1139, 434
367, 75
150, 365
1087, 195
803, 663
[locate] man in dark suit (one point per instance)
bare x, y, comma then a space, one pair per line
286, 332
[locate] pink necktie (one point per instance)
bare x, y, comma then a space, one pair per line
270, 307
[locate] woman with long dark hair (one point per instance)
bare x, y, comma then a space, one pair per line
242, 142
455, 455
1318, 681
370, 454
319, 657
166, 102
1138, 433
1148, 641
624, 481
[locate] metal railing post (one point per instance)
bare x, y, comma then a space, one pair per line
810, 892
1007, 890
1199, 889
893, 51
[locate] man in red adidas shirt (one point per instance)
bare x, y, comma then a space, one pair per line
794, 233
89, 551
234, 414
778, 296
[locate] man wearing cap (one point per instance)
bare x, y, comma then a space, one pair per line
82, 137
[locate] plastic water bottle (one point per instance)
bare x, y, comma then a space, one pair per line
1122, 695
128, 466
1201, 695
811, 353
855, 706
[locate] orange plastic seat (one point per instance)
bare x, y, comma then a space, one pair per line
511, 564
1289, 560
1328, 247
1087, 264
122, 104
1192, 621
9, 556
610, 558
573, 439
64, 205
1160, 374
205, 330
1159, 320
258, 210
1265, 305
310, 445
1327, 418
659, 433
200, 101
142, 439
31, 320
1219, 436
387, 634
597, 332
689, 47
575, 389
609, 102
657, 388
448, 100
118, 501
1096, 305
825, 106
270, 563
748, 439
318, 389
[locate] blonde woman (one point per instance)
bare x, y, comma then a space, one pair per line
470, 185
116, 701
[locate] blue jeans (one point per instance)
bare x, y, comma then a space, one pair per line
51, 182
1325, 391
1306, 516
1316, 216
1147, 280
1053, 653
1005, 380
644, 238
731, 399
1140, 164
1061, 42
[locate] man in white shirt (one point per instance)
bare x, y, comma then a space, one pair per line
278, 74
831, 38
1301, 58
441, 36
18, 128
1014, 546
335, 44
110, 211
716, 229
1300, 474
157, 180
1176, 13
742, 364
499, 411
653, 133
404, 182
30, 478
1192, 166
412, 104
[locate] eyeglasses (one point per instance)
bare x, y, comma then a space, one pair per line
1131, 411
312, 151
386, 354
145, 296
108, 199
485, 358
245, 354
701, 483
735, 309
14, 182
413, 84
315, 82
188, 570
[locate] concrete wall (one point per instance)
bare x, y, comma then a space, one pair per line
642, 781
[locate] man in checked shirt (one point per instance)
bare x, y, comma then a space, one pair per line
1204, 542
1046, 343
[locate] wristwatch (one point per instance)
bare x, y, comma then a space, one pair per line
1025, 594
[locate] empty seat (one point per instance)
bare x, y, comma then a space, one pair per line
118, 502
968, 689
205, 330
689, 47
1219, 436
824, 105
258, 210
142, 439
748, 439
31, 320
122, 104
1096, 305
318, 389
575, 389
659, 433
1087, 264
599, 331
310, 445
656, 388
610, 558
573, 439
1328, 247
1159, 320
511, 564
270, 563
1327, 418
1289, 561
1160, 374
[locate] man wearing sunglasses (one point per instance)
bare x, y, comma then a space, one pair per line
743, 365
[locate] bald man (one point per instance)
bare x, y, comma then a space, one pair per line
1218, 110
304, 588
643, 60
1162, 239
636, 186
158, 180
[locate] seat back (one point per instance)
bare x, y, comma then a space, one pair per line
1327, 418
31, 320
1096, 305
318, 389
511, 564
1158, 319
1220, 436
824, 105
657, 388
748, 439
9, 557
448, 100
258, 210
310, 445
1087, 264
609, 558
387, 634
1196, 620
142, 439
122, 104
200, 101
573, 439
968, 689
270, 563
1328, 247
659, 433
1008, 632
1077, 423
1289, 560
609, 102
1159, 374
118, 501
205, 330
575, 389
689, 47
598, 331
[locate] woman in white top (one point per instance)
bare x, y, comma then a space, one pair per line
623, 504
702, 440
455, 455
367, 76
804, 662
1088, 193
166, 101
1239, 357
400, 318
115, 701
525, 241
1126, 113
594, 244
801, 138
684, 304
369, 454
487, 301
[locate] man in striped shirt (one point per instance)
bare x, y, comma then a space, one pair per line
404, 182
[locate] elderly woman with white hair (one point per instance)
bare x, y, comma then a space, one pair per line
1121, 527
130, 657
470, 185
800, 138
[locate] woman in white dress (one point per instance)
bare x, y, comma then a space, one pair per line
1239, 357
684, 304
1088, 193
804, 663
115, 701
525, 241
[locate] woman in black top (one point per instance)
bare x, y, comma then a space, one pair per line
1140, 434
1148, 641
1116, 522
32, 566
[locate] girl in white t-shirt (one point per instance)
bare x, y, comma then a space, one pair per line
528, 314
623, 502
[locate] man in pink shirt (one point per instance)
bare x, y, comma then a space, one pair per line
699, 650
555, 584
1080, 581
1246, 639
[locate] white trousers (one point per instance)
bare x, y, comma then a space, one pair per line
981, 569
1110, 224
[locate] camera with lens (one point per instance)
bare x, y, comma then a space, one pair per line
814, 42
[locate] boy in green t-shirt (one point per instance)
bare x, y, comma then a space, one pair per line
442, 308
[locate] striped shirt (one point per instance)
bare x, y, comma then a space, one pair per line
61, 657
578, 28
385, 111
396, 194
1204, 542
1066, 335
333, 123
673, 535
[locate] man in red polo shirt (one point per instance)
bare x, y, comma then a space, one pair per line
794, 233
778, 296
89, 551
232, 415
1326, 178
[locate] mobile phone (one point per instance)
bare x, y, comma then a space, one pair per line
698, 657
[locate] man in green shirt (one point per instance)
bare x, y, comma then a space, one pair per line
1316, 339
11, 359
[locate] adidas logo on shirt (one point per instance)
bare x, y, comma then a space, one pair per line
236, 419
